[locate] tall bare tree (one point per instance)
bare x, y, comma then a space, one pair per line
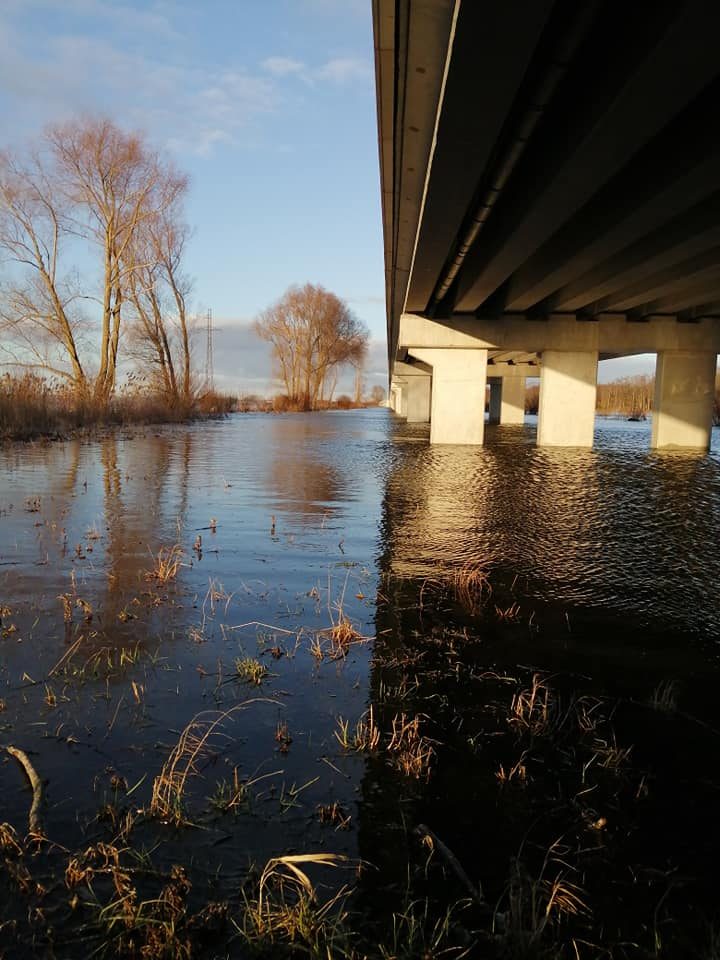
91, 180
111, 179
312, 333
159, 292
38, 307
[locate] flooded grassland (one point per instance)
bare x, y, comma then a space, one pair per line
306, 685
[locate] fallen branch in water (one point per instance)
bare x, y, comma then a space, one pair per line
435, 843
34, 821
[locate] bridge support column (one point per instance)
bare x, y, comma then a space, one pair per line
683, 405
512, 402
457, 410
418, 398
496, 392
568, 393
398, 394
507, 395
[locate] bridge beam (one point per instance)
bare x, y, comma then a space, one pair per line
458, 394
568, 390
684, 394
613, 334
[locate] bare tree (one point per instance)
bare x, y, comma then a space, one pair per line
111, 180
159, 292
37, 312
90, 180
377, 394
313, 333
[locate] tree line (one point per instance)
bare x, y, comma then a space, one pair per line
87, 188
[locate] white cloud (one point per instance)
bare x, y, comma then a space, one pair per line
283, 66
339, 70
345, 70
189, 108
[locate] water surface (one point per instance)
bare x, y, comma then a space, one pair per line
602, 568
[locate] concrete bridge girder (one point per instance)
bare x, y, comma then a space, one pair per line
463, 361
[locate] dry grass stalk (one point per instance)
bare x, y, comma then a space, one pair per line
334, 814
411, 752
366, 736
535, 710
471, 584
508, 614
516, 774
536, 903
286, 908
167, 564
194, 744
342, 636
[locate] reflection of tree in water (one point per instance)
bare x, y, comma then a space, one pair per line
146, 500
298, 475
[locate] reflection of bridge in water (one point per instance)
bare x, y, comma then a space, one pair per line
551, 197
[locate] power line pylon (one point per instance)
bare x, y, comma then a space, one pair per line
209, 371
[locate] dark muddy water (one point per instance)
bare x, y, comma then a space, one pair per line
600, 573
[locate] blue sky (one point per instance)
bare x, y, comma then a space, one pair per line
268, 105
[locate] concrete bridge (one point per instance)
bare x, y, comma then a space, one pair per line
551, 197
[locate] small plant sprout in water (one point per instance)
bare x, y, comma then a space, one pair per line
234, 795
67, 604
508, 614
334, 814
282, 736
250, 670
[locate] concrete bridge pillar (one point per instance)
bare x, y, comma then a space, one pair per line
496, 391
457, 410
512, 399
418, 398
683, 404
398, 397
568, 388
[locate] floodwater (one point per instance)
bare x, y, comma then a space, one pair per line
599, 577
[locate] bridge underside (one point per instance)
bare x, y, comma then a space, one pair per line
551, 197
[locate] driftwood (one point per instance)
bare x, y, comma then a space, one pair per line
425, 833
34, 820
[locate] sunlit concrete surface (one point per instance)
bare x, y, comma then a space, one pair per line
457, 412
567, 399
684, 394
